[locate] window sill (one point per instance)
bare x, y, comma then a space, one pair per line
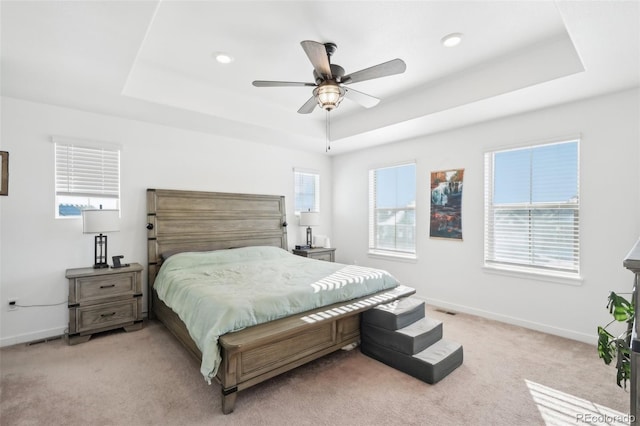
558, 277
403, 257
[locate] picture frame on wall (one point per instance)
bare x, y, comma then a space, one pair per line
446, 204
4, 173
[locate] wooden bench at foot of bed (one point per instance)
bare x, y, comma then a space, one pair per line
258, 353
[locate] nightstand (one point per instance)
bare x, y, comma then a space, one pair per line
103, 299
320, 253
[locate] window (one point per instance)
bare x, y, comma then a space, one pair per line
87, 176
392, 210
532, 209
307, 191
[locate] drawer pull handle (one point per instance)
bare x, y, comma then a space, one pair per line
107, 286
108, 315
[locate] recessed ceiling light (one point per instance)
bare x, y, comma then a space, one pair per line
223, 58
451, 40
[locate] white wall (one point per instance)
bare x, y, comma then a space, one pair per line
450, 274
36, 249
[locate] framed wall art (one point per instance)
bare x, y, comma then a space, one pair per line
4, 173
446, 203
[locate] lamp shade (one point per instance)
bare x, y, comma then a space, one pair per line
100, 221
328, 95
309, 218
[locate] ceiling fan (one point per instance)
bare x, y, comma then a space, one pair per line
330, 79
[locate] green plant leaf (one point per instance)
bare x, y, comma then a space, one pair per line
609, 346
606, 348
621, 309
623, 363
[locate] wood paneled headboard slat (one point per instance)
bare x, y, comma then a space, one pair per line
199, 221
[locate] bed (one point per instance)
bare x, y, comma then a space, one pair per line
198, 229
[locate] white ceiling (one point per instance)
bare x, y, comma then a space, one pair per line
153, 61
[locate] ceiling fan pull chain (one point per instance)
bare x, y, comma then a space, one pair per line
328, 131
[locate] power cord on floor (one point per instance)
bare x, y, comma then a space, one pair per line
39, 306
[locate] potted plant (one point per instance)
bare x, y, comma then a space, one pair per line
612, 347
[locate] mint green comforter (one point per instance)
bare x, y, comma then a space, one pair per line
227, 290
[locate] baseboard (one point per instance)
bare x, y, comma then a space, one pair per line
569, 334
31, 337
38, 335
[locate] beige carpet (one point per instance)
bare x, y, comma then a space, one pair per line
510, 376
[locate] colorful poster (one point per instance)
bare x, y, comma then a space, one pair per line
446, 202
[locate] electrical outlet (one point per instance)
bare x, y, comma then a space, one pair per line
13, 304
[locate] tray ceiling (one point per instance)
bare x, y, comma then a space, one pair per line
153, 61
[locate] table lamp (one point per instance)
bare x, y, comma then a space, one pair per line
309, 219
99, 222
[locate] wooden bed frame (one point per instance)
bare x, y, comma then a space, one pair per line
198, 221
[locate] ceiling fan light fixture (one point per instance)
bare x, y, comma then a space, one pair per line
330, 79
451, 40
329, 95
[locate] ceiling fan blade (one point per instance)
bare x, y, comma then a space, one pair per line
363, 99
395, 66
262, 83
308, 106
317, 54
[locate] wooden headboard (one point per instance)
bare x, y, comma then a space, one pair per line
199, 221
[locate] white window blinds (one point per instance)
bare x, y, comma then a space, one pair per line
392, 210
532, 208
87, 175
89, 171
307, 190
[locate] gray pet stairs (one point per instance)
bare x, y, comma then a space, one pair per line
399, 335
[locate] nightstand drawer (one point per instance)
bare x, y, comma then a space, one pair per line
323, 256
106, 315
319, 253
95, 288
